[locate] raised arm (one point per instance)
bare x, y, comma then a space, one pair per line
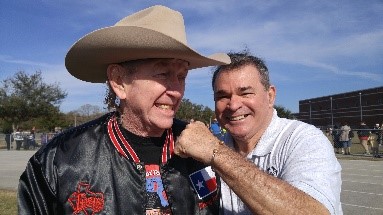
261, 192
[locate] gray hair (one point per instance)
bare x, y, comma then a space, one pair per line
111, 99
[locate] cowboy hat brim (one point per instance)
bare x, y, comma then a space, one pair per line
90, 56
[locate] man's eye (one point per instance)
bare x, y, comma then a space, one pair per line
247, 94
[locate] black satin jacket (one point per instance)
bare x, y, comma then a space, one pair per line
84, 171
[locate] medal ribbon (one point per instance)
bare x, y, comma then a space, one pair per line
124, 148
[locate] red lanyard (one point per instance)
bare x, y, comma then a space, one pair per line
124, 148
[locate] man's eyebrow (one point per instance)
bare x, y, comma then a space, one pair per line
219, 92
241, 89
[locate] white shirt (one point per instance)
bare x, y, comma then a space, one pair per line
18, 136
345, 130
297, 153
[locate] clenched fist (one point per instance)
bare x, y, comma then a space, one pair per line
196, 141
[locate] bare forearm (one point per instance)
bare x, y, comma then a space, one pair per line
262, 193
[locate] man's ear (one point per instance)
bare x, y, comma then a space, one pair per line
115, 75
272, 94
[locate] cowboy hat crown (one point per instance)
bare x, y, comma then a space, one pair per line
155, 32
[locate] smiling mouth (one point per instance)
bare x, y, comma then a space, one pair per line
165, 107
237, 118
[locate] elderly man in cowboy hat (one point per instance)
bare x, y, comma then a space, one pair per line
123, 162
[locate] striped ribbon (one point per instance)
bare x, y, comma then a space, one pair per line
124, 148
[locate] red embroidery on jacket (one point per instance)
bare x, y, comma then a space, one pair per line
86, 201
205, 204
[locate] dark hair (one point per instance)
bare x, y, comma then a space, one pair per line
244, 58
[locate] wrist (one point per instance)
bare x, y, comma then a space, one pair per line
216, 150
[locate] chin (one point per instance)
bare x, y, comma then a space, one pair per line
164, 123
238, 132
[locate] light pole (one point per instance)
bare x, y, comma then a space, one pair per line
310, 111
360, 105
332, 116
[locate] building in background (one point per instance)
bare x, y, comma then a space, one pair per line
352, 107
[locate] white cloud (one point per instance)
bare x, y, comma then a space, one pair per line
331, 39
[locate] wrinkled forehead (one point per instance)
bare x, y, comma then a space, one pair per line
155, 63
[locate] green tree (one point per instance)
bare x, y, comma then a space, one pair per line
189, 110
24, 98
283, 112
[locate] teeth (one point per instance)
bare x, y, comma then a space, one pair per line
164, 107
238, 117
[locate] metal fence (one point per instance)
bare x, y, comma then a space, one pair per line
370, 140
374, 134
333, 135
28, 141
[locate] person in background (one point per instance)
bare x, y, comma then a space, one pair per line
266, 164
364, 134
350, 136
32, 139
344, 138
380, 135
44, 139
26, 140
8, 138
336, 141
374, 140
19, 138
124, 161
215, 128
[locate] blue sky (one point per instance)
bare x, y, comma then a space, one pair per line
312, 48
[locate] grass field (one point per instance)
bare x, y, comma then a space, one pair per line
8, 202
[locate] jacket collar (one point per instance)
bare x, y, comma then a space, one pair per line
124, 148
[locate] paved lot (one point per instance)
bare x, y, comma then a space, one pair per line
12, 164
362, 188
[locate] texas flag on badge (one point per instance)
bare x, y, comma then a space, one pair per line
204, 182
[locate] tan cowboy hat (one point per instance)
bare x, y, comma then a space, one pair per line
155, 32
